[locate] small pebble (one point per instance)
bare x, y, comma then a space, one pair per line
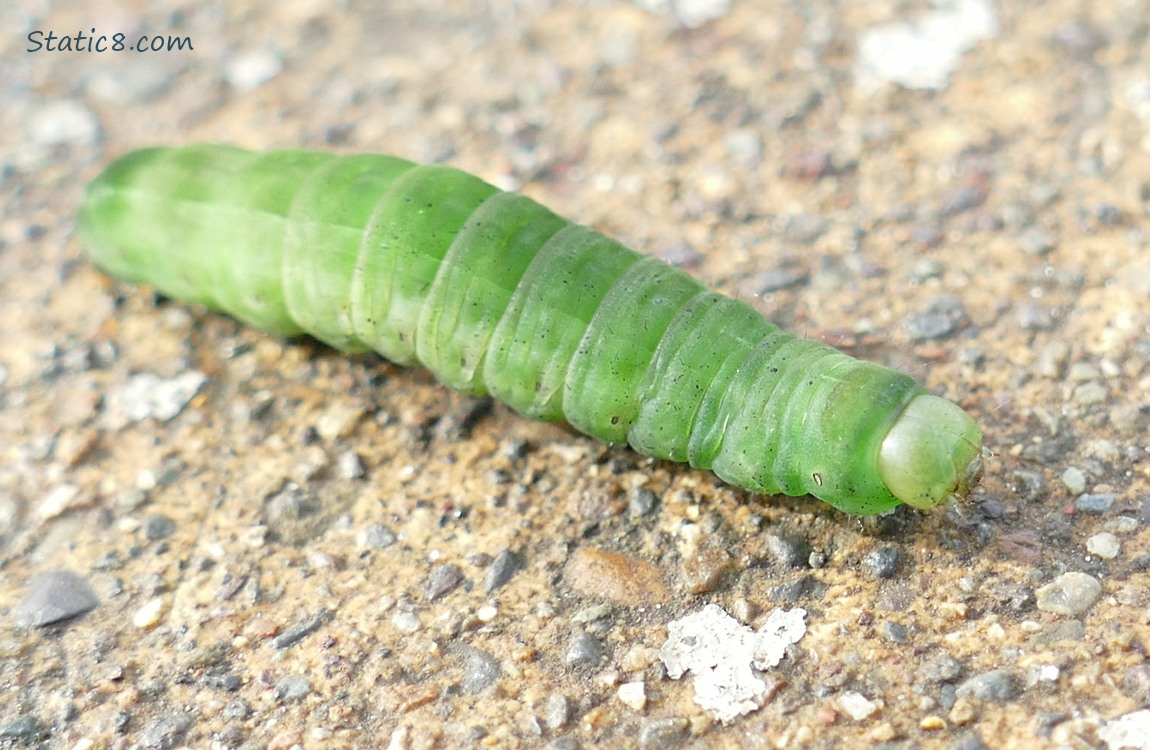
894, 632
250, 70
788, 549
882, 561
962, 198
1094, 503
480, 671
350, 466
664, 733
441, 580
941, 668
1104, 545
293, 688
53, 597
997, 685
1069, 594
63, 122
556, 711
376, 536
149, 615
148, 395
159, 527
633, 695
1074, 480
505, 565
585, 649
641, 501
1122, 525
407, 622
943, 316
166, 730
1090, 393
857, 706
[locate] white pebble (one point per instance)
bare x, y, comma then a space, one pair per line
63, 123
633, 695
1074, 480
149, 615
408, 622
1105, 545
1069, 594
857, 706
250, 70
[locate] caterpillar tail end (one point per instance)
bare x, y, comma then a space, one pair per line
932, 454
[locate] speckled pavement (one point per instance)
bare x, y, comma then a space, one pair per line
213, 538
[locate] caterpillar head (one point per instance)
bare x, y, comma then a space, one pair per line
932, 454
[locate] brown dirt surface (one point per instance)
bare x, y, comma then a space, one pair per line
289, 547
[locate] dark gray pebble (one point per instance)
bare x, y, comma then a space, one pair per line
940, 319
480, 670
1094, 502
806, 587
997, 685
55, 596
640, 502
585, 650
788, 549
1030, 485
293, 688
505, 565
942, 667
299, 632
166, 730
441, 581
159, 527
882, 561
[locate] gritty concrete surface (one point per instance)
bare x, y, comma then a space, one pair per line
287, 547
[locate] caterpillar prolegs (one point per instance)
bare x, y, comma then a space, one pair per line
495, 294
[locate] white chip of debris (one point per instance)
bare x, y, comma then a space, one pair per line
723, 655
147, 395
923, 53
1129, 732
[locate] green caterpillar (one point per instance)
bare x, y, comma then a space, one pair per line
497, 295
